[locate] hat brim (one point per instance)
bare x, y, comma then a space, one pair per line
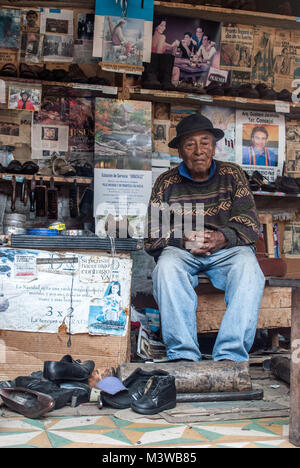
217, 132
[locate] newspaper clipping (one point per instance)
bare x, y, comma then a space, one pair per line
46, 139
236, 48
285, 53
15, 127
223, 118
260, 142
262, 57
293, 148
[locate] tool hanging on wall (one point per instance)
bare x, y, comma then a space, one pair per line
40, 194
52, 201
14, 194
22, 194
32, 194
74, 200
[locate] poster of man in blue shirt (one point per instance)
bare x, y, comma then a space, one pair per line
258, 153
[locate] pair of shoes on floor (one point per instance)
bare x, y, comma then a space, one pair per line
158, 73
147, 392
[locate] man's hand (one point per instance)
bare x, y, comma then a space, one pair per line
204, 243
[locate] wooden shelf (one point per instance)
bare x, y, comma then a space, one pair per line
226, 15
277, 194
46, 178
177, 97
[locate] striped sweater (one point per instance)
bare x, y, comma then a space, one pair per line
229, 207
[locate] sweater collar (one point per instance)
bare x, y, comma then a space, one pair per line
184, 172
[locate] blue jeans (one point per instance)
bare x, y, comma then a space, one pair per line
235, 271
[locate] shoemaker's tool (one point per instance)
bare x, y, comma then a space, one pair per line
32, 194
52, 200
40, 195
23, 186
74, 200
26, 191
13, 196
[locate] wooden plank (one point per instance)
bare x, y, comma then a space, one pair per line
275, 311
294, 434
57, 179
226, 15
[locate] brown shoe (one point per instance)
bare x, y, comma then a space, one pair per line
30, 403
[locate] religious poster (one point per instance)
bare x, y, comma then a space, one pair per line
236, 47
87, 294
10, 28
123, 38
223, 118
260, 142
123, 134
195, 44
81, 124
121, 196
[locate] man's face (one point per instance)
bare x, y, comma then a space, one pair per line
187, 39
24, 96
260, 140
31, 19
197, 150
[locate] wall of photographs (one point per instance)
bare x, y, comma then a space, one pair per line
78, 131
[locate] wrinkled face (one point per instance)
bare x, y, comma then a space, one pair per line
197, 150
259, 140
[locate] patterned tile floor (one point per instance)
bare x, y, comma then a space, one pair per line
112, 432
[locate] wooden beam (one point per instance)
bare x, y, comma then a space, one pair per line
294, 434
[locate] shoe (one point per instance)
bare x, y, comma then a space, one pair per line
287, 185
63, 394
29, 167
246, 91
284, 95
67, 369
215, 89
9, 69
75, 75
135, 385
14, 167
150, 75
30, 403
159, 395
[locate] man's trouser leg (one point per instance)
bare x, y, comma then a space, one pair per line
237, 272
174, 279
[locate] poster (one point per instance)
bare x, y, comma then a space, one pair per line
286, 51
195, 43
123, 134
123, 40
56, 21
292, 148
260, 142
89, 294
24, 97
263, 55
31, 47
217, 75
291, 240
83, 38
123, 195
81, 124
58, 48
223, 118
161, 131
47, 139
53, 111
9, 28
30, 20
236, 47
15, 127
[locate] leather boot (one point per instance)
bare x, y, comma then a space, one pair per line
166, 64
159, 395
151, 71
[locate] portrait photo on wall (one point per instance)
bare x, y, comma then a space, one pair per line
260, 142
50, 133
30, 20
194, 43
24, 98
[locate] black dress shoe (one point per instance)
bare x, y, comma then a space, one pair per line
81, 392
159, 395
68, 369
135, 384
30, 403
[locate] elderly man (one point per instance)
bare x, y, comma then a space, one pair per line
224, 250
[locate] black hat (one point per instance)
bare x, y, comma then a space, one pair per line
194, 123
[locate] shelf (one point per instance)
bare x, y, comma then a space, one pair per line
177, 97
226, 15
57, 179
277, 194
